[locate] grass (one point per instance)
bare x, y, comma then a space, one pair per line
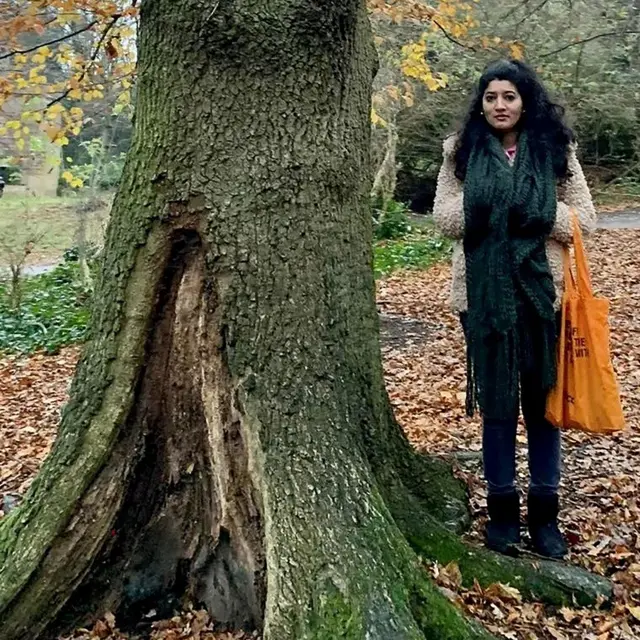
619, 194
420, 250
49, 223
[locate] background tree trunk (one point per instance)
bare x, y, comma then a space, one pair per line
385, 180
228, 437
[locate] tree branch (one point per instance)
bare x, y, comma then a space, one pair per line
451, 38
68, 36
513, 10
532, 12
585, 40
92, 59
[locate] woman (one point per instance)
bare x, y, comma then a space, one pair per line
507, 192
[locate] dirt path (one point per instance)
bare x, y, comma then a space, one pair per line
628, 219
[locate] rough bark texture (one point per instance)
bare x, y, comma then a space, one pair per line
228, 436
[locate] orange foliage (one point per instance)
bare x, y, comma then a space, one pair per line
454, 20
56, 55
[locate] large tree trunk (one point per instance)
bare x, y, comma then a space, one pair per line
228, 436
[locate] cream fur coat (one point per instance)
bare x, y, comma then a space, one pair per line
448, 214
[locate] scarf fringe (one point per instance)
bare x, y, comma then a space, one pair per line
537, 364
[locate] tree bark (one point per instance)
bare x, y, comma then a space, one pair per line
228, 437
384, 182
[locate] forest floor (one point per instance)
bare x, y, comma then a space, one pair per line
424, 363
425, 375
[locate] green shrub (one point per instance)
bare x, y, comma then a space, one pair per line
54, 312
391, 221
419, 251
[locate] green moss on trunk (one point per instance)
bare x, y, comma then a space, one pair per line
545, 580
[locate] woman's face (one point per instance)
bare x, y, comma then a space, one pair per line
502, 105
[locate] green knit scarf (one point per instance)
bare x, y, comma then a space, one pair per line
511, 329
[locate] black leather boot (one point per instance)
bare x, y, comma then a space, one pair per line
546, 538
503, 528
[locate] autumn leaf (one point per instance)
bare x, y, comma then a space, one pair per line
35, 71
503, 592
111, 49
516, 50
635, 612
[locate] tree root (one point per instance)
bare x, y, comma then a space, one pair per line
537, 579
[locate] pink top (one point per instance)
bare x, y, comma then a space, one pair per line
511, 153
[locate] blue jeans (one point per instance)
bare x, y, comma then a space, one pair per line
499, 446
545, 454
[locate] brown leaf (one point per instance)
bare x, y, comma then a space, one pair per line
110, 619
503, 592
452, 575
100, 630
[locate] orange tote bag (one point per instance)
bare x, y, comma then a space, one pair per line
586, 395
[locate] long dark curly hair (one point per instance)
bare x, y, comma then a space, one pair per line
542, 119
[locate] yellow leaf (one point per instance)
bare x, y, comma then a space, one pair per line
67, 176
432, 83
20, 144
516, 50
376, 120
125, 98
54, 110
13, 124
52, 132
34, 74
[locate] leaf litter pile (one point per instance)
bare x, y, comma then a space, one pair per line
423, 352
